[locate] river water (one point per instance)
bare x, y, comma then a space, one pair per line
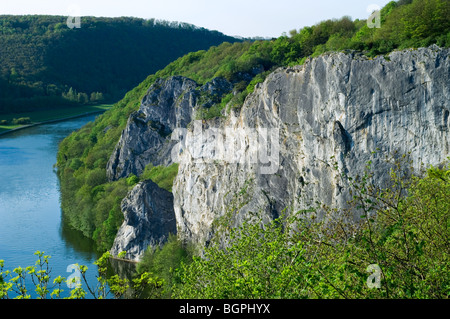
30, 211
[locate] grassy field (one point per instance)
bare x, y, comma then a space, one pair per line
51, 115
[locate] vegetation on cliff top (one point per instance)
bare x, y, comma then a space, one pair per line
92, 204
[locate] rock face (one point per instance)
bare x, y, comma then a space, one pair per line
169, 103
337, 107
274, 154
149, 212
149, 219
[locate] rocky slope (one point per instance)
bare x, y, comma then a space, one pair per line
149, 219
169, 104
274, 153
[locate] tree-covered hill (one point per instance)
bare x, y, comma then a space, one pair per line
45, 64
92, 204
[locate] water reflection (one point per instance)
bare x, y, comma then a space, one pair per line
30, 211
74, 239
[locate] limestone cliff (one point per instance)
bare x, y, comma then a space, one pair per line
340, 106
149, 212
274, 153
169, 104
149, 220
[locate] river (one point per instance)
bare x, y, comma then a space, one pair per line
30, 211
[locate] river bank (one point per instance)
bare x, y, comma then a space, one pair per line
50, 117
30, 209
49, 122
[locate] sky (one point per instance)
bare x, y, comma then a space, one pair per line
246, 18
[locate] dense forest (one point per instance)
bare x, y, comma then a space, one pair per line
91, 204
44, 64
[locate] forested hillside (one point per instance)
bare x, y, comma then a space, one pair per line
92, 204
44, 64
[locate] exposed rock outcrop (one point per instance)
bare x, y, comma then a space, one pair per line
149, 212
149, 219
169, 103
337, 107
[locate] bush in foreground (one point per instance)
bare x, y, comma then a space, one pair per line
400, 249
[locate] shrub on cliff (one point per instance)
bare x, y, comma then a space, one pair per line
399, 250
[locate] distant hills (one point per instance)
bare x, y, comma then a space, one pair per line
45, 64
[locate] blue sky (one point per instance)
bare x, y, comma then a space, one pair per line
248, 18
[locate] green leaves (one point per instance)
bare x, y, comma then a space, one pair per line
122, 254
161, 175
257, 262
145, 284
407, 236
161, 265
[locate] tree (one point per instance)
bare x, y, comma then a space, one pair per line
13, 75
82, 98
164, 262
71, 94
96, 97
21, 121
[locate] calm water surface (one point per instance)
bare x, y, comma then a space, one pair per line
30, 212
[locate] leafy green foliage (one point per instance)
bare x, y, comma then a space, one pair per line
259, 262
405, 231
132, 180
161, 175
108, 286
415, 24
21, 121
40, 276
202, 66
95, 208
164, 262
